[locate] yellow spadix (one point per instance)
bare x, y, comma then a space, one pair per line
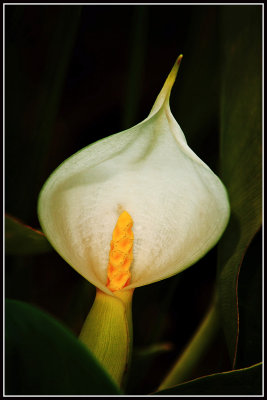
121, 253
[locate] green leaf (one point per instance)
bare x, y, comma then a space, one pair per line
249, 350
136, 66
44, 358
193, 353
23, 239
197, 88
152, 350
142, 360
241, 132
38, 47
247, 381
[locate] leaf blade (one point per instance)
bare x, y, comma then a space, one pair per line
23, 239
240, 162
240, 382
44, 358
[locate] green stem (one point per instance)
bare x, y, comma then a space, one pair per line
107, 332
194, 351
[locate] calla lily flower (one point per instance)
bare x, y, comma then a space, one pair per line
131, 209
179, 207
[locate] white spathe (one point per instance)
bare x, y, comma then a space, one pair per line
179, 206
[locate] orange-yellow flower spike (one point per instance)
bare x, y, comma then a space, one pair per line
121, 253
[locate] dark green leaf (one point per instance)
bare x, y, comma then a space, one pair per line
44, 358
249, 350
194, 99
23, 239
241, 132
153, 350
136, 66
142, 360
246, 381
38, 46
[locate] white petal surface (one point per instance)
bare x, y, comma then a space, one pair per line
179, 206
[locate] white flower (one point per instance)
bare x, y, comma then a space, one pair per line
179, 207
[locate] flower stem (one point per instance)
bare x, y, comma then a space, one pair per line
107, 332
194, 351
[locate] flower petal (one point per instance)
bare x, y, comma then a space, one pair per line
178, 205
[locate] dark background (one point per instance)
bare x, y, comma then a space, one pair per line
73, 75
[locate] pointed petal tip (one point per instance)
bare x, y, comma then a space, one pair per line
179, 59
172, 75
164, 95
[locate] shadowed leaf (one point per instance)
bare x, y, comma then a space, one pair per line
240, 152
38, 46
240, 382
44, 358
23, 239
249, 350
